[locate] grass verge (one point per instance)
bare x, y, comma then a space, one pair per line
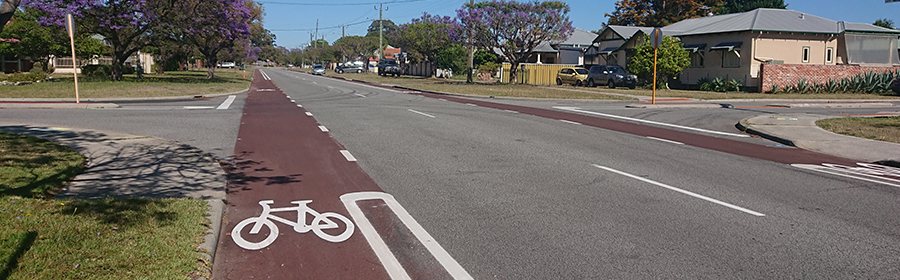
80, 239
882, 129
175, 83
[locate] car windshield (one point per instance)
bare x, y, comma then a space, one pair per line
317, 66
581, 71
616, 70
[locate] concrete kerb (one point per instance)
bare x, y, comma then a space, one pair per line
122, 157
114, 99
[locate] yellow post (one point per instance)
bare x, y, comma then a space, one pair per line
653, 101
70, 23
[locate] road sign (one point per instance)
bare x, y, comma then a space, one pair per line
656, 37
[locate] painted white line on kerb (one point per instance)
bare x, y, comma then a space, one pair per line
227, 103
382, 251
511, 111
309, 114
323, 128
665, 140
197, 107
420, 113
713, 200
575, 109
360, 95
570, 122
347, 155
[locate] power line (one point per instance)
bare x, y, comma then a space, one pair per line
337, 4
322, 28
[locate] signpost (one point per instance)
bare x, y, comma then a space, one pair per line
656, 38
70, 28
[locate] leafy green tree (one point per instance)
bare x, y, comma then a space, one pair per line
33, 39
886, 23
454, 57
483, 56
671, 59
740, 6
353, 47
660, 12
425, 37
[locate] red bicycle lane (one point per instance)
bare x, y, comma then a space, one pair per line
284, 159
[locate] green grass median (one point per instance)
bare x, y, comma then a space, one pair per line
42, 238
879, 128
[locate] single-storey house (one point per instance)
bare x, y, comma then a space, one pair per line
737, 46
570, 51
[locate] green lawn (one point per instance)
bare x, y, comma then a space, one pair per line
882, 129
44, 238
176, 83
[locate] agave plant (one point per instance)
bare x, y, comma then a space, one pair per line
718, 85
774, 89
832, 86
802, 86
735, 85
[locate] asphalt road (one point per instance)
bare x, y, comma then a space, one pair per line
515, 196
511, 195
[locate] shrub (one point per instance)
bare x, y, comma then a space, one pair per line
488, 67
735, 85
37, 67
25, 77
96, 70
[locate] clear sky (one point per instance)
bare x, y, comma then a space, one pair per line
292, 21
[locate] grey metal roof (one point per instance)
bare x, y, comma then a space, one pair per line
545, 47
626, 32
756, 20
580, 37
863, 27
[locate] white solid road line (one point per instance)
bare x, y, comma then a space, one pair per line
265, 77
197, 107
227, 103
665, 140
382, 251
347, 155
323, 128
420, 113
570, 122
729, 205
576, 109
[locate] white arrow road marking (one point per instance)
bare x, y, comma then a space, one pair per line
575, 109
227, 103
713, 200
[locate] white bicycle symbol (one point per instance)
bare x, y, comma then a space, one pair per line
320, 222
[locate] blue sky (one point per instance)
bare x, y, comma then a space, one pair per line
292, 21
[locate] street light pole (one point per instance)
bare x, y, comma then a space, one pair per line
471, 50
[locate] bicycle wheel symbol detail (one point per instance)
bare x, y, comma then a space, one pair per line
320, 222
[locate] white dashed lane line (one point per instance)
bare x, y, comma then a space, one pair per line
420, 113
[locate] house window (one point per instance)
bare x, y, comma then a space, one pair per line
697, 59
731, 59
805, 55
829, 55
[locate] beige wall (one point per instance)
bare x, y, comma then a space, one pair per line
757, 47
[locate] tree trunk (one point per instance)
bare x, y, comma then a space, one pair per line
116, 68
211, 67
513, 71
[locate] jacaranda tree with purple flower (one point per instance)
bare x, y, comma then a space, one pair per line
212, 26
126, 25
515, 29
424, 37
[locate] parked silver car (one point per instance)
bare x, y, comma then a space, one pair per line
611, 76
318, 69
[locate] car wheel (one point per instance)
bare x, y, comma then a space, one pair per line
578, 83
632, 86
591, 83
340, 71
611, 83
558, 82
358, 71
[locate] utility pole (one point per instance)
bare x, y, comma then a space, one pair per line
471, 49
317, 34
380, 31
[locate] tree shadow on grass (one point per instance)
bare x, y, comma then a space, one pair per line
23, 247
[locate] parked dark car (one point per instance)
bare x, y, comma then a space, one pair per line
611, 76
895, 86
318, 69
349, 68
388, 67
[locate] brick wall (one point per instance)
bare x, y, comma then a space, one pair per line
790, 74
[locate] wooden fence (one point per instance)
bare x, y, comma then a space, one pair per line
534, 74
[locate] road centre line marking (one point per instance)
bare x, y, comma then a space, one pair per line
575, 109
347, 155
571, 122
309, 114
420, 113
197, 107
394, 268
713, 200
665, 140
323, 128
227, 103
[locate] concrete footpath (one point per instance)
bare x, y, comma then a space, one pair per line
127, 165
